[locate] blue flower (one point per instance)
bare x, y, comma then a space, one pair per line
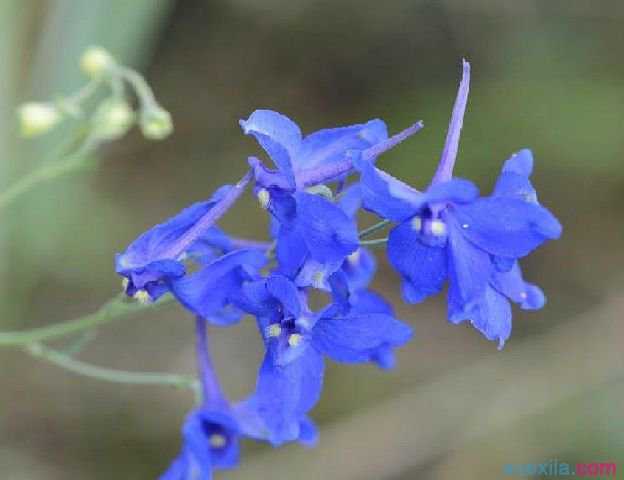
156, 257
297, 339
450, 233
210, 441
209, 292
296, 157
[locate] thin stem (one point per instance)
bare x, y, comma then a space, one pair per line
141, 87
107, 374
374, 228
116, 308
211, 390
372, 243
51, 171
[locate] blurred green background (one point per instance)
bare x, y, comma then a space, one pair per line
546, 75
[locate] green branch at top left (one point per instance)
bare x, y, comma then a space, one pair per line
107, 120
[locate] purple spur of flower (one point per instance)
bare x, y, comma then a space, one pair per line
450, 233
157, 255
297, 340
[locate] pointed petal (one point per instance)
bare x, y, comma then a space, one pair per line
330, 145
514, 180
512, 285
456, 190
279, 136
469, 270
356, 337
507, 227
422, 267
286, 292
286, 393
329, 234
385, 195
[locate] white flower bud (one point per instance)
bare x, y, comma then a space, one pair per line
95, 61
112, 119
156, 123
37, 118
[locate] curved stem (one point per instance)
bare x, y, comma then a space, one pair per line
116, 308
374, 228
107, 374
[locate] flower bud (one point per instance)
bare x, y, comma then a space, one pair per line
156, 123
95, 61
37, 118
112, 119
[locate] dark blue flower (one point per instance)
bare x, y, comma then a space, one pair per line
156, 257
210, 441
449, 232
297, 339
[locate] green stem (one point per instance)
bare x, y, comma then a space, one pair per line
372, 243
374, 228
50, 171
141, 87
116, 308
107, 374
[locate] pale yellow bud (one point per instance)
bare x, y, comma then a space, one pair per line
37, 118
95, 61
156, 123
112, 119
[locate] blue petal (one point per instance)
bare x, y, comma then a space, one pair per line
252, 424
423, 267
209, 245
181, 469
356, 337
330, 145
359, 267
207, 422
351, 200
512, 285
492, 316
329, 234
385, 195
286, 292
456, 190
211, 288
367, 301
286, 393
507, 227
469, 268
308, 432
279, 136
290, 251
514, 178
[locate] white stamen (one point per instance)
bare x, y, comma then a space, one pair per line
142, 296
354, 258
438, 228
217, 440
294, 339
274, 330
417, 224
264, 197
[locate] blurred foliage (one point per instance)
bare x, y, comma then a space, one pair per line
546, 75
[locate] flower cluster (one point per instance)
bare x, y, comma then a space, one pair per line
313, 191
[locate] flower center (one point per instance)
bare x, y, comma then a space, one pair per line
217, 440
